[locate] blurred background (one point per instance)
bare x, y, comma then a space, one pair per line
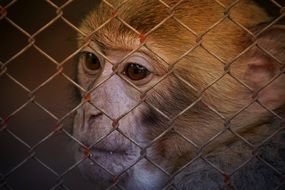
29, 112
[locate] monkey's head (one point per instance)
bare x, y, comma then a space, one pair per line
160, 80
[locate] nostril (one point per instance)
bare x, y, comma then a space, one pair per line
95, 116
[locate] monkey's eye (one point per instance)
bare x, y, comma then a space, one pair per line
90, 61
136, 72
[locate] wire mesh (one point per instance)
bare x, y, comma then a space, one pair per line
37, 153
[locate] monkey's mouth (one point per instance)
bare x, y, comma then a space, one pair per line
97, 151
110, 157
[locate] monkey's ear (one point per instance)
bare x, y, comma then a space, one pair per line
265, 73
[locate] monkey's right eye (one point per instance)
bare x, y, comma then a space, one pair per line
136, 72
90, 61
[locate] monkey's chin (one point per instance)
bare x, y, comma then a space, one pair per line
103, 166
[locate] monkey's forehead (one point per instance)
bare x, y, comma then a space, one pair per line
144, 15
123, 26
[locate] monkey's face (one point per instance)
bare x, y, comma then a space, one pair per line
114, 122
149, 103
131, 101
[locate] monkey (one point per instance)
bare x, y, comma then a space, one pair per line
181, 95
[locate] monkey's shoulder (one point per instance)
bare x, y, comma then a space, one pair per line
237, 166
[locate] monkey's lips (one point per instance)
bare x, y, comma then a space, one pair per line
97, 151
109, 148
112, 156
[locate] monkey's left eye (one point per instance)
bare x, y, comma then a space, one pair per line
90, 61
136, 72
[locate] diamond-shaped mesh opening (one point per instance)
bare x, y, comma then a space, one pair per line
62, 36
209, 21
58, 104
61, 152
24, 68
228, 163
207, 114
181, 33
40, 176
217, 47
188, 149
31, 129
208, 69
11, 35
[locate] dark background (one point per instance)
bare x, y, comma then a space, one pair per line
31, 68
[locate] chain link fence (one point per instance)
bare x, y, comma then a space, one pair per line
38, 101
